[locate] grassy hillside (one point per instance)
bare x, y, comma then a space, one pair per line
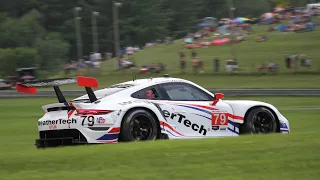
249, 54
292, 156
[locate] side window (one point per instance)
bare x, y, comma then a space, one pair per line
185, 92
146, 93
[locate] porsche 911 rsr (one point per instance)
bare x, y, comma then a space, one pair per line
148, 109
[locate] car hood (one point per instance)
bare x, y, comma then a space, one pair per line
244, 105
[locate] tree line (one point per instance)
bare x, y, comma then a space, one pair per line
42, 33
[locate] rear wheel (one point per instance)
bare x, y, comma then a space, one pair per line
259, 120
138, 125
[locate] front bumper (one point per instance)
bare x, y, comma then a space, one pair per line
284, 125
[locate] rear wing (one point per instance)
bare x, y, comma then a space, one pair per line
87, 82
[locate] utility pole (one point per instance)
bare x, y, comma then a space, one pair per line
116, 29
231, 14
78, 31
95, 32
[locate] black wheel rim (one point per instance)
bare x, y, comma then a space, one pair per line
263, 123
141, 128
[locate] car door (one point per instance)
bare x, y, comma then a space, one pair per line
194, 116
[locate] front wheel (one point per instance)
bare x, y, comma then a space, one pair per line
138, 125
260, 120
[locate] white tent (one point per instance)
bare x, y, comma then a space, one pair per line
310, 6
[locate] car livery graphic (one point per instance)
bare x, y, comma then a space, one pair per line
147, 109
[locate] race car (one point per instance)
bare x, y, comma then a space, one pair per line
147, 109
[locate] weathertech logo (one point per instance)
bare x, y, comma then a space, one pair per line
182, 120
59, 121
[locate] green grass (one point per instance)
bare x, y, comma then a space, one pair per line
292, 156
249, 55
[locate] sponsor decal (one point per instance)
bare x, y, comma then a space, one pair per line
101, 120
50, 82
135, 101
53, 126
215, 128
182, 120
223, 128
96, 102
58, 121
283, 125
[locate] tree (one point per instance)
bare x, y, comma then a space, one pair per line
52, 50
21, 32
10, 59
284, 3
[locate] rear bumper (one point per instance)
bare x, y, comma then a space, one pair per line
56, 142
63, 137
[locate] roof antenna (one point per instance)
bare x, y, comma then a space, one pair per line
134, 78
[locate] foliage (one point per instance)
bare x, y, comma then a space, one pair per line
26, 42
21, 32
284, 3
52, 50
10, 59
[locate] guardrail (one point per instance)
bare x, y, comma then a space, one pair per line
227, 92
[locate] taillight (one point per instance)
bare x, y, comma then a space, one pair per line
87, 112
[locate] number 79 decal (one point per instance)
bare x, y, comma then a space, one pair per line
90, 120
219, 119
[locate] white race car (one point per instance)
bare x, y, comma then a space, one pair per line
148, 109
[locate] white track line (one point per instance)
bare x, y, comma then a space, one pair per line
299, 108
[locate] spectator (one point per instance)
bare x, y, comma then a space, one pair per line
304, 62
81, 65
293, 62
216, 64
130, 51
231, 65
119, 61
288, 62
182, 61
201, 66
193, 54
195, 64
261, 38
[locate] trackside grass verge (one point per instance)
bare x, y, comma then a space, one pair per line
276, 156
294, 156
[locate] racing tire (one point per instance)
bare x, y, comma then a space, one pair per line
138, 125
259, 120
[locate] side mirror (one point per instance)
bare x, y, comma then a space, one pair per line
217, 97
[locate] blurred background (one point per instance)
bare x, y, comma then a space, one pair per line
118, 39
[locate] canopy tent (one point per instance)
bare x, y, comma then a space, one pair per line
203, 25
267, 15
315, 5
240, 20
209, 22
224, 21
279, 9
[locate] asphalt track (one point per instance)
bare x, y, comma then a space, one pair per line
227, 92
